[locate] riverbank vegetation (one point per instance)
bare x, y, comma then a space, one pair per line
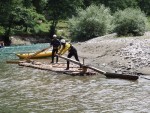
73, 19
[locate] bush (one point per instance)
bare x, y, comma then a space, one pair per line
62, 29
2, 30
130, 22
91, 22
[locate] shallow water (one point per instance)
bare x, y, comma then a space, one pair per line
26, 90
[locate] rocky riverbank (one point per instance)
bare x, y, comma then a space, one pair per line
25, 40
121, 55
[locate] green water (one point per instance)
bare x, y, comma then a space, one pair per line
26, 90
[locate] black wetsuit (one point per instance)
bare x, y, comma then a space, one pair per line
72, 52
56, 44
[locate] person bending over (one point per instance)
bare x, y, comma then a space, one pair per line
71, 52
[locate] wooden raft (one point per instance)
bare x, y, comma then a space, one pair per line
59, 67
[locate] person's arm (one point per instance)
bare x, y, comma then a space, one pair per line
61, 50
66, 48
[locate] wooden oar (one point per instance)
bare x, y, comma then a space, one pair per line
36, 53
107, 74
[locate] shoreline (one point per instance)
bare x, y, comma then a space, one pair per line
25, 40
110, 53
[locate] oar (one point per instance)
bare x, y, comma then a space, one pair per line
114, 75
107, 74
36, 53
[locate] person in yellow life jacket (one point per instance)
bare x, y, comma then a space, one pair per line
56, 46
71, 52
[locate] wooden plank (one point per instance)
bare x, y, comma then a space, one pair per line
14, 62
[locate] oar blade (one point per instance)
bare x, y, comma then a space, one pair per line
121, 76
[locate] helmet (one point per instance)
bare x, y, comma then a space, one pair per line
54, 36
63, 41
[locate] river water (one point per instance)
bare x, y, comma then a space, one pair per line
26, 90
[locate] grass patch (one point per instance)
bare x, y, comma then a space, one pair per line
44, 27
62, 29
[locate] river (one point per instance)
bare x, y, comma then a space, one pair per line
26, 90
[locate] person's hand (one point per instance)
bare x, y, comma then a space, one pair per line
58, 54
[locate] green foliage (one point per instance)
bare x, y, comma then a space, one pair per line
62, 29
145, 6
115, 5
2, 30
44, 27
26, 20
27, 17
130, 22
7, 8
92, 22
27, 3
61, 9
39, 5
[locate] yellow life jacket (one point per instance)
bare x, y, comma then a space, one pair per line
64, 49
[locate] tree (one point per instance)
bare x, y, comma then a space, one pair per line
144, 5
27, 3
89, 23
115, 5
6, 17
26, 18
61, 9
16, 15
130, 22
39, 5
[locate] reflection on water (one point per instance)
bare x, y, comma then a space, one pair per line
29, 90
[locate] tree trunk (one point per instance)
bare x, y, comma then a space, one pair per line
7, 41
53, 28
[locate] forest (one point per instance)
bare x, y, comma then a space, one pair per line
75, 19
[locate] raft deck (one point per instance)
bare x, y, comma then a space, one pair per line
59, 68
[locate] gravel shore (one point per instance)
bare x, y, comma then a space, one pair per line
121, 55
